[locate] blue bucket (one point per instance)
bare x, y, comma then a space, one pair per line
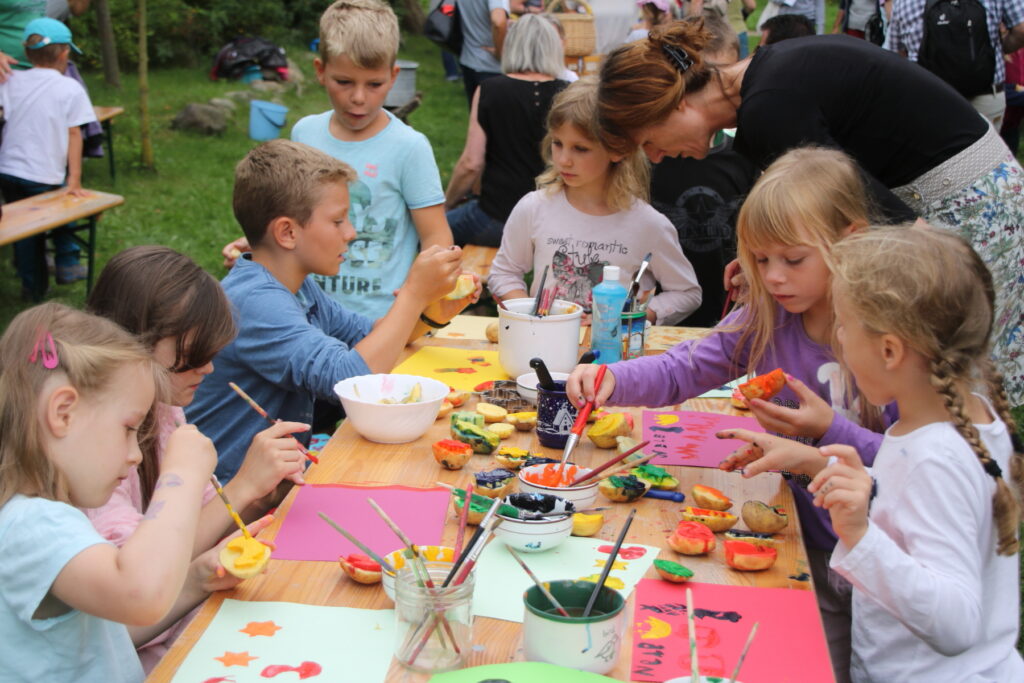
266, 119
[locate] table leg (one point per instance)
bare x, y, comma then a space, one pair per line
91, 248
108, 132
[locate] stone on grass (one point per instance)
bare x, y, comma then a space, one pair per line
224, 103
267, 86
201, 118
240, 95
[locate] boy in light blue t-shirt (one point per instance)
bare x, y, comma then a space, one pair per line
397, 203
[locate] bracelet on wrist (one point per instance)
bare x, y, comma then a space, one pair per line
433, 323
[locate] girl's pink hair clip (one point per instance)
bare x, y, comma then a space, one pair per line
48, 355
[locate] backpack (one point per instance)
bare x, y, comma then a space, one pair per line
956, 45
444, 27
241, 53
874, 29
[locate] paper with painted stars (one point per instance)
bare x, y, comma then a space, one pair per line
519, 672
261, 641
462, 369
500, 581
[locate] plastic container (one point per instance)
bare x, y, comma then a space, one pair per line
390, 422
634, 326
608, 299
266, 119
554, 338
252, 73
420, 611
404, 88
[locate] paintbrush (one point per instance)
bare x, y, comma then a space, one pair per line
357, 543
227, 503
540, 292
608, 564
634, 286
601, 468
541, 586
581, 419
743, 654
691, 627
463, 520
256, 406
480, 530
728, 300
628, 466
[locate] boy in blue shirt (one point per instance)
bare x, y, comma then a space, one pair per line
294, 343
397, 202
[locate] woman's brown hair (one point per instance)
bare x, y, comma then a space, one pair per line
155, 292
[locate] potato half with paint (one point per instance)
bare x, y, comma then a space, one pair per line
451, 454
586, 525
478, 507
523, 421
622, 489
748, 557
604, 431
491, 412
710, 498
672, 571
361, 568
511, 457
491, 332
753, 537
495, 483
764, 518
464, 286
715, 520
244, 557
503, 429
692, 538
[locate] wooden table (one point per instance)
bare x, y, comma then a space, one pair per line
349, 458
35, 215
105, 115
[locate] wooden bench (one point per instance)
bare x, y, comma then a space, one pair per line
35, 215
478, 259
105, 115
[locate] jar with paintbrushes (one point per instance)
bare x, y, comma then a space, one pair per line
419, 644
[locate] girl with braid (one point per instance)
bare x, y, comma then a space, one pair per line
928, 536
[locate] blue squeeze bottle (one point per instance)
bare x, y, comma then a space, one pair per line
606, 331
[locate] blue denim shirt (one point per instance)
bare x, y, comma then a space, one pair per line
290, 350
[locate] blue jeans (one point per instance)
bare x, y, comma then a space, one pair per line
30, 253
470, 225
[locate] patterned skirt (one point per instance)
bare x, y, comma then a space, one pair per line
989, 214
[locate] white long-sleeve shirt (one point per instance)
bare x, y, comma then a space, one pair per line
932, 601
544, 229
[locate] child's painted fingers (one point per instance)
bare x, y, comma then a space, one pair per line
742, 434
282, 429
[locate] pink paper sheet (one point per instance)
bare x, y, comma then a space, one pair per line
789, 647
688, 437
420, 513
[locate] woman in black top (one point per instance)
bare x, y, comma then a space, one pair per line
925, 152
506, 126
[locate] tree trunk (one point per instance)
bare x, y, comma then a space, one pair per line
146, 156
414, 17
108, 48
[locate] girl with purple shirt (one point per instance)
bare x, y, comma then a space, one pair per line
806, 201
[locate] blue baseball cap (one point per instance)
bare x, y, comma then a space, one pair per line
52, 31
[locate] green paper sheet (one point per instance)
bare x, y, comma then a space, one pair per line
245, 638
519, 672
500, 581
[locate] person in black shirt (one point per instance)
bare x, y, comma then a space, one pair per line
925, 153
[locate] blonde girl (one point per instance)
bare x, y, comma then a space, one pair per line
74, 391
590, 210
804, 203
180, 313
929, 538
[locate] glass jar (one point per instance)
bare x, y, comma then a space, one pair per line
434, 626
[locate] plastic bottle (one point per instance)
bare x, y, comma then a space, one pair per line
606, 331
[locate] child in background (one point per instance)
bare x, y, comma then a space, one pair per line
294, 343
932, 550
652, 13
179, 312
803, 204
74, 392
397, 203
588, 212
42, 147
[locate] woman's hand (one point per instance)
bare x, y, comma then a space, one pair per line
579, 388
844, 489
769, 453
811, 419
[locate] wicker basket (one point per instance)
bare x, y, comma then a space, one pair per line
580, 34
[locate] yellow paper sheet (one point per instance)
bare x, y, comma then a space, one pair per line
466, 327
659, 339
459, 368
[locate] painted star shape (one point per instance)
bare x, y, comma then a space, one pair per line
235, 659
260, 628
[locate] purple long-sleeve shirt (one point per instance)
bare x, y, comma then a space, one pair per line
693, 367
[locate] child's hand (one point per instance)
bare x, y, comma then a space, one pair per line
770, 453
579, 388
189, 450
844, 489
273, 455
76, 190
811, 419
206, 569
734, 281
232, 250
433, 273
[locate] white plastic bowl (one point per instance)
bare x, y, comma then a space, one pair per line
583, 496
526, 384
535, 535
395, 422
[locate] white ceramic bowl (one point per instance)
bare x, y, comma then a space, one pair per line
583, 496
395, 422
527, 384
535, 535
432, 553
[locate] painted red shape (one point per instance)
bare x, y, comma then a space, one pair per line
305, 670
631, 553
220, 679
